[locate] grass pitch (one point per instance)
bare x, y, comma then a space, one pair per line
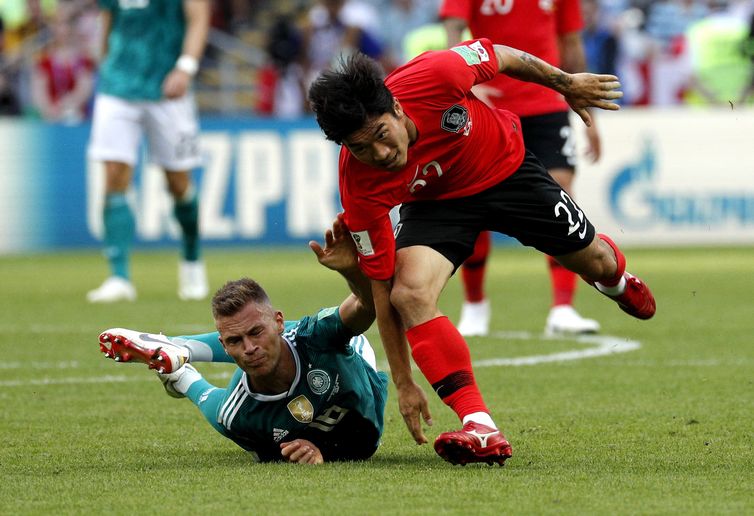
665, 428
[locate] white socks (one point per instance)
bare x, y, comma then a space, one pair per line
480, 417
612, 291
198, 351
187, 377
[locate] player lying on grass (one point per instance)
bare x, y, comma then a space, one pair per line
305, 391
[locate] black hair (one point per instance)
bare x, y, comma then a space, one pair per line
344, 99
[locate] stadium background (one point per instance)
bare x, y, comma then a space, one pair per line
668, 177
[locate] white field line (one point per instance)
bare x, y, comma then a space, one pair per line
601, 345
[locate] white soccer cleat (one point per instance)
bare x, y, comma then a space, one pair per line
177, 383
192, 281
564, 320
152, 349
475, 319
113, 289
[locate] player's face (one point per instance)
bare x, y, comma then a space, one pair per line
252, 338
383, 141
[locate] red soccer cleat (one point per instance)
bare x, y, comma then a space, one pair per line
152, 349
474, 443
637, 300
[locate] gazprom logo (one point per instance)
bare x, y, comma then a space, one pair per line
638, 202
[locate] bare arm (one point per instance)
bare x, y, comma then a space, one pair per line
106, 21
454, 28
412, 402
572, 57
197, 14
581, 90
339, 254
573, 60
197, 27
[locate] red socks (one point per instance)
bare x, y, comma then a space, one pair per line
620, 258
563, 283
621, 262
473, 269
443, 356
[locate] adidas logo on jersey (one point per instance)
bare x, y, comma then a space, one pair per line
278, 434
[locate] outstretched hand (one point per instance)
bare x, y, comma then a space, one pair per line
587, 90
413, 405
339, 253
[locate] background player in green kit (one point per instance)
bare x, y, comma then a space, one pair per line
151, 53
306, 391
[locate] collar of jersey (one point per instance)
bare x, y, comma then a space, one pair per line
277, 397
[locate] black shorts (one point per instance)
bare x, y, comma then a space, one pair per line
529, 206
550, 138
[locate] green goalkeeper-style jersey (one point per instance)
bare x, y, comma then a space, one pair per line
336, 401
145, 40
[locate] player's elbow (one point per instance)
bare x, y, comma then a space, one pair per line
357, 315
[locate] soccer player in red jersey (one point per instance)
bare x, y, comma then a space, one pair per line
421, 139
550, 30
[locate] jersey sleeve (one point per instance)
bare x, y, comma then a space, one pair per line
569, 17
367, 216
376, 247
325, 331
456, 9
446, 74
470, 62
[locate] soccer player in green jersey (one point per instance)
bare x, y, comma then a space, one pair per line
305, 391
151, 53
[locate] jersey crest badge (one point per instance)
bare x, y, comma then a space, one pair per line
301, 409
363, 243
454, 119
319, 381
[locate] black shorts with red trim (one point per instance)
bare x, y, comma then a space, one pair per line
528, 206
550, 138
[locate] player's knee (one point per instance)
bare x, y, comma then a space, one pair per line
407, 298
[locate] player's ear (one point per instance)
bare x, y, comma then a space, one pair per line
397, 108
280, 322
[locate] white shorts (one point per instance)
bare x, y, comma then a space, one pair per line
170, 126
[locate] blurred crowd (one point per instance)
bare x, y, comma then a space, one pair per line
666, 52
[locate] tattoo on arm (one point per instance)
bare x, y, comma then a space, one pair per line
536, 70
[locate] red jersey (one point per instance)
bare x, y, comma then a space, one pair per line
62, 75
530, 25
463, 147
